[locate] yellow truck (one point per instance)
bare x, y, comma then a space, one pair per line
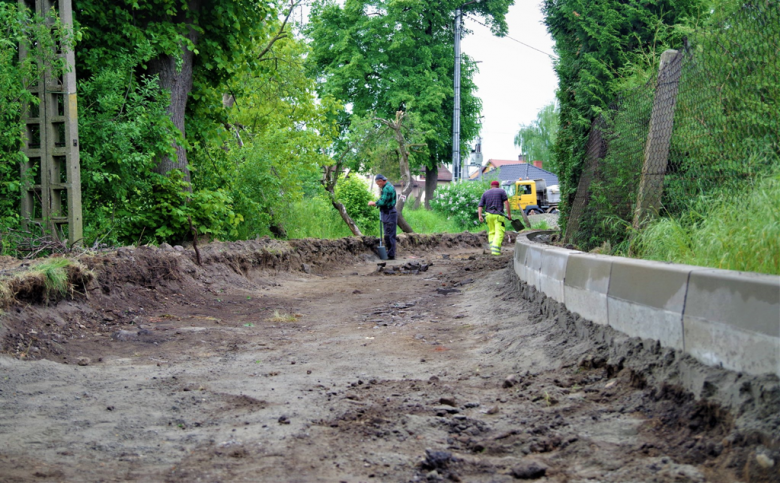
533, 196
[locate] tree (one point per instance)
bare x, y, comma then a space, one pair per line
269, 134
536, 140
402, 136
384, 56
196, 44
599, 44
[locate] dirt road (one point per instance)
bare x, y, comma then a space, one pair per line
322, 368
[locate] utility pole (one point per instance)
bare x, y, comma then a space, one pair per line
456, 110
457, 169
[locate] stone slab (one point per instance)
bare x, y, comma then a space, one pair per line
553, 272
588, 272
521, 247
637, 320
533, 264
589, 305
748, 301
653, 284
716, 343
586, 285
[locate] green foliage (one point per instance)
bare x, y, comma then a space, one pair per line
354, 194
735, 231
604, 46
19, 26
220, 33
399, 57
125, 129
376, 147
266, 149
726, 129
162, 215
429, 221
536, 140
459, 202
314, 217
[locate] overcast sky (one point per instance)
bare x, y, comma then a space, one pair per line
514, 81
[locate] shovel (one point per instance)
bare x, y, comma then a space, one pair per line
381, 248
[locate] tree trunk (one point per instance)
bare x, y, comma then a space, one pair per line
406, 173
175, 74
403, 224
431, 181
344, 215
330, 176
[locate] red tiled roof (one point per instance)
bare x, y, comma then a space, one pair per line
501, 162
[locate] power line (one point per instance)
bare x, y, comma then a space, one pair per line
510, 38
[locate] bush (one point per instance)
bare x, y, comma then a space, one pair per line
459, 202
354, 194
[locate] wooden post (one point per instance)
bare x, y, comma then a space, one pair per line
659, 138
53, 198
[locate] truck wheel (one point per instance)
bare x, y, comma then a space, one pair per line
533, 211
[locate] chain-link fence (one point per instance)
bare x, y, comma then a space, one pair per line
709, 126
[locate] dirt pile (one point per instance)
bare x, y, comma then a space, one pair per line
101, 285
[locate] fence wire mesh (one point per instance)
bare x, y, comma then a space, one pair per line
708, 127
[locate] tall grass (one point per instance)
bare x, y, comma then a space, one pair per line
738, 231
429, 221
316, 218
55, 275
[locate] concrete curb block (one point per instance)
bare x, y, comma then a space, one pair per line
720, 317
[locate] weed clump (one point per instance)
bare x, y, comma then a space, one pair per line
47, 281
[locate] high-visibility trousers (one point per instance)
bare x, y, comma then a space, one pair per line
496, 230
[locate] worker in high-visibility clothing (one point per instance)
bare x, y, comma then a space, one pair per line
494, 200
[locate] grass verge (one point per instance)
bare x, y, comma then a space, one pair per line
734, 232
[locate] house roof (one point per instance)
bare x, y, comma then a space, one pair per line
503, 162
444, 174
512, 172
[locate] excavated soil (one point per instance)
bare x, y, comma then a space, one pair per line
305, 361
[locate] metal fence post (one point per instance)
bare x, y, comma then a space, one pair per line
53, 198
659, 138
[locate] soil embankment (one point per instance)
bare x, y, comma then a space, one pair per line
303, 361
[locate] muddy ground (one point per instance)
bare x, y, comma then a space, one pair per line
303, 362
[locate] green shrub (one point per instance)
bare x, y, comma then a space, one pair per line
354, 194
163, 214
459, 202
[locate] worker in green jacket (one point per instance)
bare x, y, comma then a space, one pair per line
387, 214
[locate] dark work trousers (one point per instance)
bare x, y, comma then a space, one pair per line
389, 224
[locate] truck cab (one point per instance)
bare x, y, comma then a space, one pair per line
530, 195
